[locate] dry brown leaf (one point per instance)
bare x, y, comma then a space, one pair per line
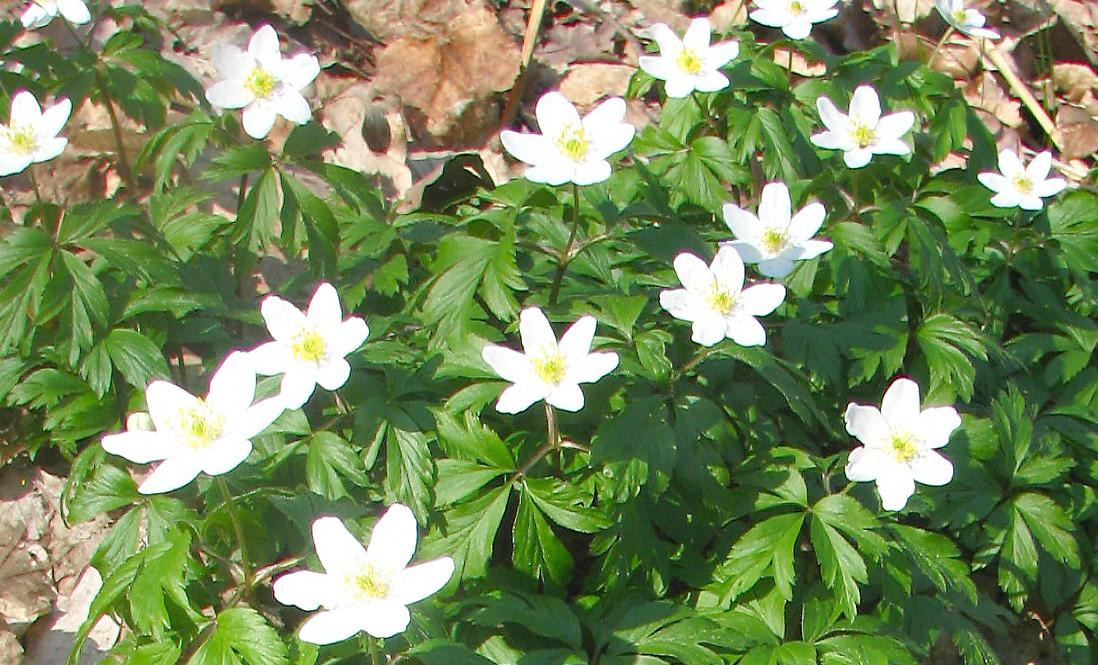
446, 73
1078, 132
587, 83
392, 19
572, 41
992, 104
801, 65
661, 11
11, 652
728, 15
1075, 80
909, 11
344, 115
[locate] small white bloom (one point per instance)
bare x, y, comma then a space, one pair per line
691, 63
864, 132
968, 21
794, 17
308, 348
196, 435
548, 370
362, 589
39, 13
571, 149
31, 134
776, 238
899, 441
715, 301
1019, 185
262, 82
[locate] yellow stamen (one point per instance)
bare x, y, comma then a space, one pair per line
863, 135
368, 583
1022, 184
22, 141
903, 446
260, 83
959, 16
550, 368
721, 300
573, 143
774, 241
199, 425
308, 346
796, 8
689, 62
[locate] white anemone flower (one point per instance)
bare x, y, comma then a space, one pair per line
548, 370
691, 63
1019, 185
362, 588
966, 20
262, 82
31, 135
864, 132
898, 443
776, 238
571, 149
39, 13
715, 301
194, 435
794, 17
309, 347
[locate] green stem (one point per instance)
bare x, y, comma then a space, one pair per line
789, 72
116, 127
375, 656
565, 256
34, 183
937, 47
245, 562
552, 442
693, 362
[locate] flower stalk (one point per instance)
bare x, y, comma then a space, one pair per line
234, 517
565, 256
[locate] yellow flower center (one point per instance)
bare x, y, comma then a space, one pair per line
903, 446
688, 61
550, 368
260, 83
368, 583
959, 16
199, 425
22, 141
863, 134
774, 241
573, 143
796, 8
308, 346
1022, 184
721, 300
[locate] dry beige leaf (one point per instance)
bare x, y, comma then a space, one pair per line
801, 65
11, 652
1078, 132
445, 74
728, 15
992, 104
1075, 80
389, 20
662, 11
909, 11
345, 115
587, 83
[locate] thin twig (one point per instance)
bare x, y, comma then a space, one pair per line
1022, 91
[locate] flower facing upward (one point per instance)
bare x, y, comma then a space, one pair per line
308, 348
362, 588
31, 134
262, 82
691, 63
194, 435
715, 301
571, 149
39, 13
775, 239
548, 370
898, 443
1019, 185
864, 132
794, 17
968, 21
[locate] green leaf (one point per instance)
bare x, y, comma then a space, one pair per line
766, 548
1050, 524
258, 214
109, 488
162, 577
241, 633
410, 469
537, 551
942, 337
565, 504
137, 358
542, 615
468, 531
843, 568
329, 460
638, 446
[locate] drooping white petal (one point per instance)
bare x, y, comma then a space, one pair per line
856, 159
140, 447
171, 474
900, 406
384, 618
678, 87
864, 464
331, 626
418, 582
709, 328
777, 267
13, 163
797, 29
1006, 199
589, 173
551, 172
895, 484
333, 374
935, 425
303, 588
535, 331
746, 330
337, 549
292, 106
866, 424
393, 540
258, 119
930, 468
566, 396
760, 299
520, 396
224, 455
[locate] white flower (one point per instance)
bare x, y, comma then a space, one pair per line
39, 13
899, 442
968, 21
362, 589
716, 302
775, 239
548, 370
308, 348
570, 149
262, 82
864, 132
1020, 185
690, 64
195, 435
31, 134
794, 17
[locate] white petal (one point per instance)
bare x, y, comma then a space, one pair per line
993, 181
348, 336
657, 67
746, 330
768, 17
393, 541
1040, 166
720, 54
292, 106
890, 147
140, 447
709, 328
417, 582
36, 17
171, 474
1006, 199
895, 484
1010, 165
865, 106
774, 205
53, 120
710, 81
930, 468
553, 172
864, 464
333, 374
529, 148
866, 424
697, 35
678, 303
256, 418
537, 335
679, 86
810, 249
900, 406
806, 222
331, 626
11, 163
283, 320
337, 549
232, 63
935, 425
777, 267
798, 28
263, 46
830, 140
324, 310
727, 268
748, 251
300, 70
508, 363
554, 113
25, 109
575, 343
1030, 202
48, 149
1050, 187
760, 299
669, 43
224, 455
610, 139
74, 11
384, 619
232, 387
830, 115
566, 396
258, 119
593, 367
856, 159
589, 173
743, 224
303, 588
271, 358
694, 274
297, 386
604, 116
519, 397
895, 125
166, 401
